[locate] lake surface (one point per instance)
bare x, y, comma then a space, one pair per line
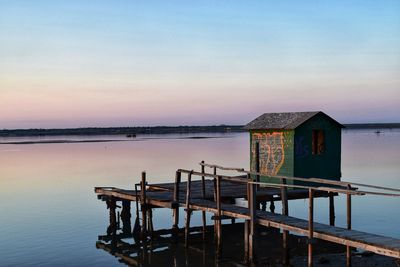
50, 216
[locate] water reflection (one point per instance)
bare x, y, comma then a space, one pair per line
158, 248
47, 199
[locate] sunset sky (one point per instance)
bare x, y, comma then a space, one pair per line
128, 63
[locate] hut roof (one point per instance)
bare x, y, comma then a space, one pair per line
285, 120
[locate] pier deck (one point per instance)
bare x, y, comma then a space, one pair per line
164, 199
218, 195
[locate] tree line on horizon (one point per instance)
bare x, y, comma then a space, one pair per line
158, 130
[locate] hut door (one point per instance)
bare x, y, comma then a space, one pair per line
318, 142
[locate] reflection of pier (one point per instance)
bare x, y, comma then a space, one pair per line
218, 194
155, 251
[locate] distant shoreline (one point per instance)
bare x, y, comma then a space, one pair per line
93, 131
372, 125
69, 141
127, 131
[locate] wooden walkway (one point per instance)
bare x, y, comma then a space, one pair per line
218, 195
161, 195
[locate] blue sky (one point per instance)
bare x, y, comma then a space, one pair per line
118, 63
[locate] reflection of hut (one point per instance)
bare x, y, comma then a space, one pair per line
300, 144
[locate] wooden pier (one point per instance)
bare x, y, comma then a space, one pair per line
217, 194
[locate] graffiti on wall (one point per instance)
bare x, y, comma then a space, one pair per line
272, 152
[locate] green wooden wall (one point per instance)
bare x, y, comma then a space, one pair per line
326, 165
276, 153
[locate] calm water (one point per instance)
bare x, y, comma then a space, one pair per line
50, 216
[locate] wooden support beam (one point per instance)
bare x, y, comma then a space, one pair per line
331, 209
143, 206
219, 214
112, 205
272, 206
247, 225
215, 200
257, 159
188, 210
263, 205
246, 241
284, 198
310, 226
126, 209
137, 228
348, 248
118, 220
150, 221
285, 233
126, 216
252, 236
175, 215
203, 191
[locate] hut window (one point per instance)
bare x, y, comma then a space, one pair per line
318, 142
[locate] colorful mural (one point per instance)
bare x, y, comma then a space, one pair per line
272, 152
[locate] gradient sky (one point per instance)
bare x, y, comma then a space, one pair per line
125, 63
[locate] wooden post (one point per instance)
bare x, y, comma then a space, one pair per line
272, 206
246, 241
112, 205
188, 211
126, 216
348, 248
257, 159
150, 221
215, 200
285, 203
257, 170
175, 215
263, 205
143, 205
144, 256
218, 219
136, 228
310, 226
252, 237
203, 213
204, 252
331, 209
118, 220
285, 233
247, 223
